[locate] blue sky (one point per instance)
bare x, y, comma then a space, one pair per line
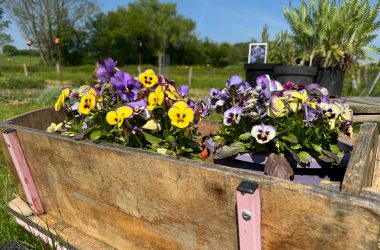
220, 20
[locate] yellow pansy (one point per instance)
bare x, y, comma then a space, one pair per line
172, 93
148, 78
61, 99
98, 97
277, 107
87, 103
296, 98
181, 114
54, 127
156, 98
118, 116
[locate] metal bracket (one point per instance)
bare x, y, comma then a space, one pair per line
249, 215
23, 172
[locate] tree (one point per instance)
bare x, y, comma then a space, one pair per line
9, 50
4, 38
153, 25
43, 20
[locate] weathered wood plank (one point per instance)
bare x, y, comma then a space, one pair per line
66, 235
366, 118
376, 171
133, 199
363, 105
359, 171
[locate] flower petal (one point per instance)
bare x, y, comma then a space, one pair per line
112, 117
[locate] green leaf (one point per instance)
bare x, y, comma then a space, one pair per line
290, 138
96, 135
326, 158
188, 150
245, 136
316, 147
305, 157
227, 151
151, 138
296, 146
331, 155
170, 138
335, 149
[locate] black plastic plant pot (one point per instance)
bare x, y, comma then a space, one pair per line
253, 70
332, 79
298, 74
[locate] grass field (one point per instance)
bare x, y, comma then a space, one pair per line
17, 101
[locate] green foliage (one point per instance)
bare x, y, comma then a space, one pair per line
340, 31
21, 82
9, 50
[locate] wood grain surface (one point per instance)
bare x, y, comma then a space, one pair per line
360, 168
134, 199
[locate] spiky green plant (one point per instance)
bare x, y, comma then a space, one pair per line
340, 30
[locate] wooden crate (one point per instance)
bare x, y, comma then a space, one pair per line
109, 196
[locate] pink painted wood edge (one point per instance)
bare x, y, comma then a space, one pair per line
40, 235
23, 172
249, 230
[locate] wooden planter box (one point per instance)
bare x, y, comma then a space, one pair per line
107, 196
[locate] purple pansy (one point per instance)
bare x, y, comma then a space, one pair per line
126, 86
183, 90
316, 89
106, 70
311, 114
263, 133
232, 116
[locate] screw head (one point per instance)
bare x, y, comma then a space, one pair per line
246, 215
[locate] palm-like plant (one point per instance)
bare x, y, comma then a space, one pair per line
341, 31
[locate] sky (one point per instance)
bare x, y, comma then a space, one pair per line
220, 20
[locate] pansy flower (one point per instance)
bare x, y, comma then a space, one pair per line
106, 70
181, 114
98, 96
296, 99
232, 116
156, 97
126, 86
61, 99
87, 103
276, 107
293, 86
148, 78
263, 133
183, 90
316, 89
118, 116
140, 108
171, 93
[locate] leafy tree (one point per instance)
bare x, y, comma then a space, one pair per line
4, 38
43, 20
146, 25
9, 50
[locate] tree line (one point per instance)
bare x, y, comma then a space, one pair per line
145, 31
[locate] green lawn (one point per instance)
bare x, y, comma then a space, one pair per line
19, 101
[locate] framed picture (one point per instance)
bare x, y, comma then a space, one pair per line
257, 53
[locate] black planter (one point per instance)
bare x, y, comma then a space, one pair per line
252, 71
332, 79
297, 74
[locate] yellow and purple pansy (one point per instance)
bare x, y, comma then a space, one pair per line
148, 78
181, 114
